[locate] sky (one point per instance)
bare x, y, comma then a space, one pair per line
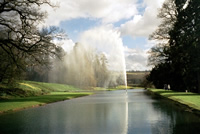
132, 20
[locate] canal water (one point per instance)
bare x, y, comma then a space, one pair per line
109, 112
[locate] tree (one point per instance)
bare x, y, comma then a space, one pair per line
101, 70
21, 40
160, 53
168, 15
180, 52
185, 44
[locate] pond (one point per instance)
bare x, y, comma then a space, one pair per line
106, 112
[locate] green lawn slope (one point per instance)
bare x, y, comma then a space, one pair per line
32, 88
27, 94
191, 100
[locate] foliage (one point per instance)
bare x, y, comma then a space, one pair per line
177, 60
146, 83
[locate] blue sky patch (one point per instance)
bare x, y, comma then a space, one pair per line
137, 42
75, 26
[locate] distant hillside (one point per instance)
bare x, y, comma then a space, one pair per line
135, 78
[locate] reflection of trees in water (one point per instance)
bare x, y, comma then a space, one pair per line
172, 121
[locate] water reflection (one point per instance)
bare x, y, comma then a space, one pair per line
173, 120
126, 116
103, 113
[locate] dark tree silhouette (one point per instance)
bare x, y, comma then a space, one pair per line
178, 59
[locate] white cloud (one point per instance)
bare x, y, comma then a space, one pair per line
153, 3
143, 25
107, 10
136, 59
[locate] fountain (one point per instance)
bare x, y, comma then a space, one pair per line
98, 60
107, 40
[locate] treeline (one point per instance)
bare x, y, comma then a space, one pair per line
136, 71
176, 57
136, 78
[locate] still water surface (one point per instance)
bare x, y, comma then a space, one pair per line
103, 113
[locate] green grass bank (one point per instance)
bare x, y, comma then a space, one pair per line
26, 94
189, 101
19, 103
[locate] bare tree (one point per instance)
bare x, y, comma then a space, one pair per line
21, 40
168, 15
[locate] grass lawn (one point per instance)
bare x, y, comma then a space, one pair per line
18, 103
49, 86
32, 88
27, 94
190, 99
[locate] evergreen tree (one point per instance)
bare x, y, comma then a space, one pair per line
181, 53
184, 44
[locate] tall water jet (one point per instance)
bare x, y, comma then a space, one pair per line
107, 40
124, 71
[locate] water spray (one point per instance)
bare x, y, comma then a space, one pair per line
101, 60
